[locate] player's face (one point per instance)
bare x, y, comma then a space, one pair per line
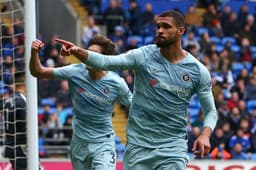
94, 48
167, 32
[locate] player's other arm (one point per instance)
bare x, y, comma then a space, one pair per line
35, 66
125, 95
204, 92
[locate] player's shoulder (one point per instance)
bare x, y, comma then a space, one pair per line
192, 61
114, 76
151, 48
78, 68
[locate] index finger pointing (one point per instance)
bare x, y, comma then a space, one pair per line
64, 42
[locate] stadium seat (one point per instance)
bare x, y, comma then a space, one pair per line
253, 51
53, 110
148, 40
219, 48
48, 101
226, 39
40, 110
235, 48
215, 39
251, 105
193, 114
3, 89
248, 66
236, 68
194, 103
202, 30
64, 113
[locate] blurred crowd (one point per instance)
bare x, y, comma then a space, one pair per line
221, 38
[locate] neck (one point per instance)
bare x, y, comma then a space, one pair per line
173, 53
21, 89
97, 75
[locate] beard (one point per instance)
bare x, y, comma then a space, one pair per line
163, 43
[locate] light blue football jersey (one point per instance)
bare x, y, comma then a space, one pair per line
162, 91
93, 100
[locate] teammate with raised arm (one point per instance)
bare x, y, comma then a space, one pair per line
166, 77
93, 94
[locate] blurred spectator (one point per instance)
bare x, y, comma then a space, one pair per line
238, 153
235, 118
92, 6
245, 51
194, 51
229, 53
205, 43
190, 40
218, 137
7, 46
63, 96
129, 80
89, 31
223, 113
41, 143
19, 29
48, 88
148, 26
228, 133
199, 120
243, 75
67, 129
55, 127
192, 19
134, 17
245, 127
243, 110
148, 15
242, 14
253, 131
227, 57
231, 26
250, 88
211, 21
239, 88
132, 44
192, 136
113, 16
44, 117
245, 35
242, 139
225, 15
119, 39
214, 62
233, 101
219, 152
50, 46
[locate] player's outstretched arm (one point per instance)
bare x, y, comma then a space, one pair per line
68, 48
35, 66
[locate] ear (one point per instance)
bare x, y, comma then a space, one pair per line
181, 30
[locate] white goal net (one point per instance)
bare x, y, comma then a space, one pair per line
12, 61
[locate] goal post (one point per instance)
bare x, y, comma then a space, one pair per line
31, 87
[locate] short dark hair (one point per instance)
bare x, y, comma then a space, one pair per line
178, 17
108, 47
19, 78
